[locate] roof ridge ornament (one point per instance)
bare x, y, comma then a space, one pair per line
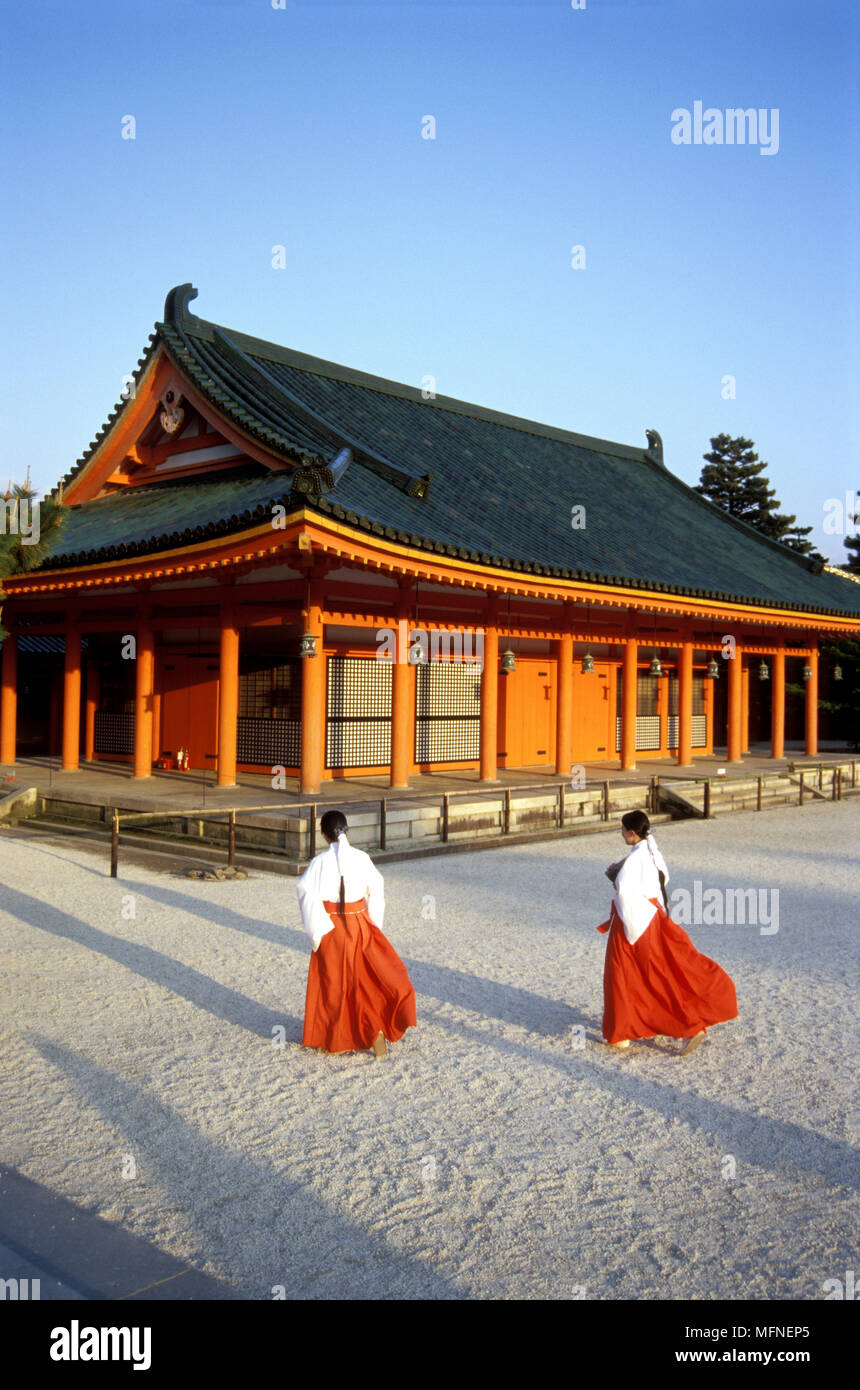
176, 304
654, 452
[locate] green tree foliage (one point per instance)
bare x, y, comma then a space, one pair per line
20, 550
852, 545
734, 479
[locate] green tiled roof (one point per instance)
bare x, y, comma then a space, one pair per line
501, 489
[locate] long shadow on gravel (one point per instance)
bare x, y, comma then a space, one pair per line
509, 1003
753, 1139
183, 980
288, 1236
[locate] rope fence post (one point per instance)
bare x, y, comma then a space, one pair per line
507, 811
231, 841
758, 794
802, 787
313, 830
560, 805
606, 801
382, 823
445, 817
707, 807
114, 844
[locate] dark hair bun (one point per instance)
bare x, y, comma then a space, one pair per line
638, 822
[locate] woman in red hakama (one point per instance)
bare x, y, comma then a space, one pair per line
655, 982
359, 993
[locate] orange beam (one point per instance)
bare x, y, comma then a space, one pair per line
338, 542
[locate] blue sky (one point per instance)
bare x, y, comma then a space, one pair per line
301, 127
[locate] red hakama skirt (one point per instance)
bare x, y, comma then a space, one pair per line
661, 985
357, 986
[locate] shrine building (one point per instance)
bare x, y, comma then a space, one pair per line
273, 562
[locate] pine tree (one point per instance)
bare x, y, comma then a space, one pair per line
17, 554
734, 479
852, 545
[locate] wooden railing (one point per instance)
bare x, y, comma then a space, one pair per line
507, 795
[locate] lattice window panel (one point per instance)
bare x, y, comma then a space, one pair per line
646, 696
447, 712
269, 742
358, 722
647, 733
647, 718
114, 733
700, 731
272, 692
698, 695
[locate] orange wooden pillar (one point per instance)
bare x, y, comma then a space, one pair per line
490, 699
812, 705
313, 696
685, 704
777, 709
228, 697
735, 709
745, 709
72, 699
564, 704
9, 701
402, 700
90, 711
629, 692
143, 693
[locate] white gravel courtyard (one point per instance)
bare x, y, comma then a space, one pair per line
500, 1151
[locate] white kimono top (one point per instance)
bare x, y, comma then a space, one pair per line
638, 881
320, 883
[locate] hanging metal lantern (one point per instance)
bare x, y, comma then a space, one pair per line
837, 673
508, 663
763, 672
308, 645
417, 654
587, 664
656, 668
714, 669
807, 672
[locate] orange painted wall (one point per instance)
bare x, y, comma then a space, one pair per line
527, 714
189, 707
594, 713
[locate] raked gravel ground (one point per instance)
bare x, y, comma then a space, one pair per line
500, 1151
